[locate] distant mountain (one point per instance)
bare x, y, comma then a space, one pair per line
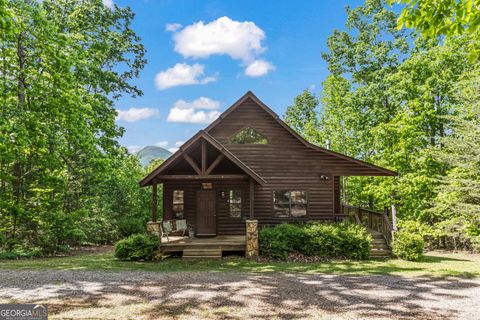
149, 153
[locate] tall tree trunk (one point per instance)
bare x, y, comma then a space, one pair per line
17, 166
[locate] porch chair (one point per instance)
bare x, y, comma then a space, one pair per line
168, 227
182, 226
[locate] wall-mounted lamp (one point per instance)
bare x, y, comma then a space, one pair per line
323, 177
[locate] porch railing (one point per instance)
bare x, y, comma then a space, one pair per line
370, 219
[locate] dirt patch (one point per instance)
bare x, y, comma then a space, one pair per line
84, 250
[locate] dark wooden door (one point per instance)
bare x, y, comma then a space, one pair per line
206, 215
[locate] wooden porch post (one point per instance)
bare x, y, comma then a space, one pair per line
154, 202
394, 218
252, 198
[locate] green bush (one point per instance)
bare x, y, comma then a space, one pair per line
20, 252
408, 246
356, 242
341, 240
131, 225
137, 247
279, 241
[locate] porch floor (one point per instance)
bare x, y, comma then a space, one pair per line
223, 243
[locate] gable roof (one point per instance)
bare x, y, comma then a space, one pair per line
215, 143
250, 95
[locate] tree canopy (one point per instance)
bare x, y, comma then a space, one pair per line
63, 177
392, 98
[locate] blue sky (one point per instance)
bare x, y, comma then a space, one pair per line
204, 55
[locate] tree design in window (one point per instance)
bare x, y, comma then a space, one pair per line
249, 135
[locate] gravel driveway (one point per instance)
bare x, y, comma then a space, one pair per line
145, 295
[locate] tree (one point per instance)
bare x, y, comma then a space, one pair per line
385, 102
436, 17
63, 64
302, 116
443, 17
457, 206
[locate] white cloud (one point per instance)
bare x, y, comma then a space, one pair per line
200, 103
224, 36
134, 149
162, 144
259, 68
178, 144
239, 40
172, 27
135, 114
108, 3
182, 74
201, 110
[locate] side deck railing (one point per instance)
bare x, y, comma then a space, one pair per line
370, 219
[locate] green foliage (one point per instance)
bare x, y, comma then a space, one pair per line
443, 17
316, 239
302, 115
18, 253
408, 246
64, 179
279, 241
137, 247
398, 100
457, 204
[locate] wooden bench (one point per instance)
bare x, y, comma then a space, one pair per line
171, 226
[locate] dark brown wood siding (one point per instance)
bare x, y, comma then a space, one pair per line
336, 196
226, 225
285, 163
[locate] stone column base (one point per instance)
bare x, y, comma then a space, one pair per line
153, 228
251, 250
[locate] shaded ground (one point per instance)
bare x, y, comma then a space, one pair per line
232, 295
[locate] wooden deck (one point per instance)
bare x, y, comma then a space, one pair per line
222, 243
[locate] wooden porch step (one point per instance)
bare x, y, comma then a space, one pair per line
197, 253
379, 248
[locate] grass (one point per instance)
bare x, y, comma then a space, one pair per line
434, 264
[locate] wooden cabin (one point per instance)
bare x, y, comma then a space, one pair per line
249, 164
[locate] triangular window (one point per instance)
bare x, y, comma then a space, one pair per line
249, 135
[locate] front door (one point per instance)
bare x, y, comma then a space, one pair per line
206, 215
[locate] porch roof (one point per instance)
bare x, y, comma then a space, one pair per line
160, 173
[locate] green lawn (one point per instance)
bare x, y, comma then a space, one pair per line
434, 264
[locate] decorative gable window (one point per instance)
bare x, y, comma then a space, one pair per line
249, 135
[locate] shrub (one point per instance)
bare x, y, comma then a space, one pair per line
356, 242
130, 225
20, 252
316, 239
408, 246
137, 247
279, 241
